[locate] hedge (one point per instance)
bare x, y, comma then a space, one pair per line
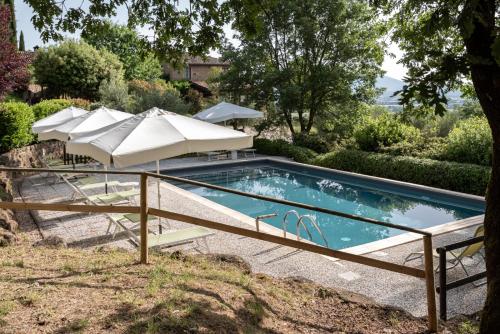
284, 148
48, 107
467, 178
16, 119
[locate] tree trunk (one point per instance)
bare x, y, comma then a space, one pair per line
487, 87
490, 320
485, 74
486, 79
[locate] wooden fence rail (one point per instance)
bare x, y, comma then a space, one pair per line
144, 210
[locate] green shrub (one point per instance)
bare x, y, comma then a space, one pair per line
312, 141
470, 142
48, 107
159, 94
74, 69
114, 94
430, 148
467, 178
383, 131
16, 119
284, 148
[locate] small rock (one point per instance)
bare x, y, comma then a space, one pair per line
324, 293
51, 241
9, 224
178, 255
7, 238
232, 259
298, 279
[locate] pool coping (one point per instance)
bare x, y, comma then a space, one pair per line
370, 247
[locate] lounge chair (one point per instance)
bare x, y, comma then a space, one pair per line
114, 198
180, 237
456, 256
91, 182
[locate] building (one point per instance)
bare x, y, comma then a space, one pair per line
197, 70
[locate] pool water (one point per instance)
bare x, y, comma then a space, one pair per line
373, 199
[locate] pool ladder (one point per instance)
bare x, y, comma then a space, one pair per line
301, 219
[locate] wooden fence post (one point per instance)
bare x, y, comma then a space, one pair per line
429, 282
144, 218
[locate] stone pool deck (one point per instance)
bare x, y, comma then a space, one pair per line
89, 230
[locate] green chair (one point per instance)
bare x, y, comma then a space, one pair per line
458, 256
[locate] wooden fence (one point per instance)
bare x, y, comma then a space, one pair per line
144, 210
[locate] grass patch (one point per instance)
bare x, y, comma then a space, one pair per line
467, 327
112, 293
75, 326
29, 299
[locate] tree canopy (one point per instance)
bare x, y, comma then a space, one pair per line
306, 56
128, 46
179, 28
13, 65
75, 69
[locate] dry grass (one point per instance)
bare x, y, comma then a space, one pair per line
46, 290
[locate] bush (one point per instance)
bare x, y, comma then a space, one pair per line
467, 178
74, 69
284, 148
470, 142
48, 107
430, 148
114, 94
312, 141
16, 119
159, 94
384, 131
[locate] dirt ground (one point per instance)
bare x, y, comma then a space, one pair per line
62, 290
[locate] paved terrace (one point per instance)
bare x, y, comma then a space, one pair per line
89, 230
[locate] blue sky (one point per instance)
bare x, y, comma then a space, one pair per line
32, 37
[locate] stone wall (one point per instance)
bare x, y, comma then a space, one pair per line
28, 156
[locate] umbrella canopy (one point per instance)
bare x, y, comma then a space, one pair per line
154, 135
50, 122
226, 111
87, 123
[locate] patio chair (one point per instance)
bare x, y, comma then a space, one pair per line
457, 257
91, 182
114, 198
180, 237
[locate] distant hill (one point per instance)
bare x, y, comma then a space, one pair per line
392, 85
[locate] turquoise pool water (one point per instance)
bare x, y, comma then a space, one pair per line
374, 199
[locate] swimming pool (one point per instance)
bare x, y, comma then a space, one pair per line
383, 200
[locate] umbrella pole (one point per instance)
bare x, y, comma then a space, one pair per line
106, 179
160, 229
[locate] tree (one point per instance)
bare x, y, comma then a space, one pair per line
129, 47
13, 65
75, 69
309, 55
12, 22
448, 44
178, 28
21, 42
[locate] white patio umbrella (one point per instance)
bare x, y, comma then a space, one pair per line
154, 135
86, 123
225, 111
45, 125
